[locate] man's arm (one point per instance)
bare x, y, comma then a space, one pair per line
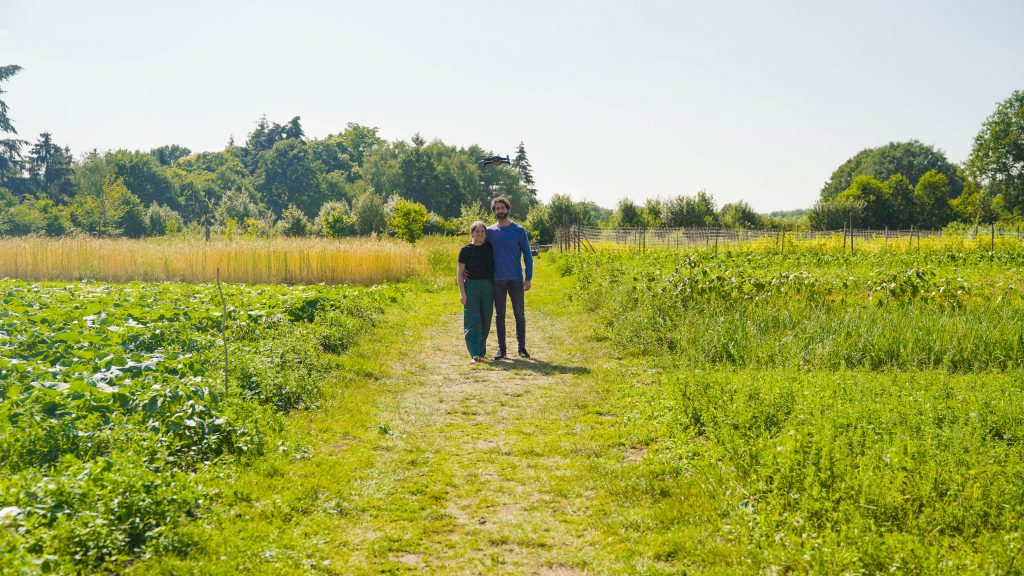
524, 244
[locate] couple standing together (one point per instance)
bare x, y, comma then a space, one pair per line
490, 274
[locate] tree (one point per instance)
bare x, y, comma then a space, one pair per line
407, 220
49, 169
293, 222
360, 141
144, 177
931, 195
285, 175
835, 214
997, 157
740, 215
114, 212
522, 164
168, 155
265, 136
873, 198
627, 215
903, 212
334, 220
695, 211
368, 214
162, 220
10, 148
912, 159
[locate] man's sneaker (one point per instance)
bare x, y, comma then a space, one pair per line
501, 356
523, 353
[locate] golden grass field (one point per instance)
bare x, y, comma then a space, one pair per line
258, 261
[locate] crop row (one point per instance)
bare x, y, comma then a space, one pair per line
866, 313
111, 396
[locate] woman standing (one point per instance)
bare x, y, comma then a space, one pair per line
476, 285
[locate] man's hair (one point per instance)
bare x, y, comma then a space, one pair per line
503, 200
474, 225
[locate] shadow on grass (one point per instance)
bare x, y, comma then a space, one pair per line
535, 365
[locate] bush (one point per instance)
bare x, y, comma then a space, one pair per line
334, 220
163, 220
368, 214
293, 223
407, 220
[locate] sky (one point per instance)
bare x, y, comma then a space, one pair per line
758, 101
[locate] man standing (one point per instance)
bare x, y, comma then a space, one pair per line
510, 244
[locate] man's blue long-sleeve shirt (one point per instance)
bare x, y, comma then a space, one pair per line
510, 243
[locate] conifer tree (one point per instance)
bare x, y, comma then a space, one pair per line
522, 164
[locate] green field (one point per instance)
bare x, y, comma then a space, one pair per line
686, 412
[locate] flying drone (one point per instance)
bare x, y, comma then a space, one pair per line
495, 160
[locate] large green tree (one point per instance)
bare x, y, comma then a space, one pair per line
912, 159
522, 164
49, 169
145, 177
931, 195
997, 158
10, 148
286, 175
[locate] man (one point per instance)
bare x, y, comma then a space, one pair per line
511, 245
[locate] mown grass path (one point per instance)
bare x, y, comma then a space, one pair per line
420, 462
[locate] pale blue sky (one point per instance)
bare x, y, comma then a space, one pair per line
752, 100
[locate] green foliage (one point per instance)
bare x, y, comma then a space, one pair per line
470, 213
334, 220
627, 215
997, 157
931, 196
163, 220
831, 411
689, 211
10, 148
522, 164
407, 220
143, 175
285, 175
168, 155
293, 222
741, 216
912, 159
368, 214
111, 397
49, 169
871, 311
115, 212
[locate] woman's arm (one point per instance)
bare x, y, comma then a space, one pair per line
461, 275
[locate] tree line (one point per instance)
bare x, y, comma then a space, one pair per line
279, 181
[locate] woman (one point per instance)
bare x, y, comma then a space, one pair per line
476, 285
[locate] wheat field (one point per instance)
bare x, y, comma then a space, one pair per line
258, 261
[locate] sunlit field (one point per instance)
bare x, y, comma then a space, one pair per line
832, 412
259, 261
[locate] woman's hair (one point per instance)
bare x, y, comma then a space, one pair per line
475, 224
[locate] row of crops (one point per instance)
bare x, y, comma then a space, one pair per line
112, 397
828, 414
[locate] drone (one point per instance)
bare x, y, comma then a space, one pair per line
495, 160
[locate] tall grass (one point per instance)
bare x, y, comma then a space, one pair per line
259, 261
959, 312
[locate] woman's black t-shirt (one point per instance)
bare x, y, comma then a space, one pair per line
479, 261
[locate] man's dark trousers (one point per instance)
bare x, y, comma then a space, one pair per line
514, 290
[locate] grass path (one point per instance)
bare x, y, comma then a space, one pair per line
422, 463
